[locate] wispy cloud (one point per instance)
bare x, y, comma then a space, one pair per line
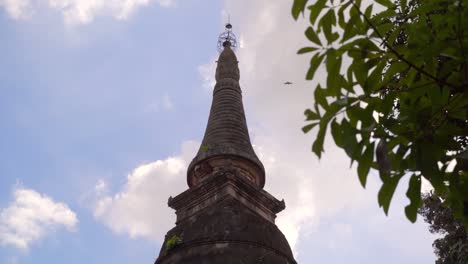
140, 208
164, 103
207, 74
17, 9
78, 11
167, 102
32, 216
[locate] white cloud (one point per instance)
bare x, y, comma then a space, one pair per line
283, 180
79, 11
164, 103
12, 260
101, 188
311, 189
32, 216
140, 208
292, 170
342, 234
167, 102
207, 74
17, 9
314, 191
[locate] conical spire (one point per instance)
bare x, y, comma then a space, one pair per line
225, 214
226, 143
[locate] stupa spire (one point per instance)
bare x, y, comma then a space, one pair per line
225, 216
226, 143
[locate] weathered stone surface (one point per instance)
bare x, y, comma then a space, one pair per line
224, 184
227, 233
226, 132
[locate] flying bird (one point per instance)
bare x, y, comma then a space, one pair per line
288, 83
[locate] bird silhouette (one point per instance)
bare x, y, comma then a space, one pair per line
288, 83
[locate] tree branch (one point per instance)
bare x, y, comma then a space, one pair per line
398, 55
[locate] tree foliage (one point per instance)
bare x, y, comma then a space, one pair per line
396, 92
452, 248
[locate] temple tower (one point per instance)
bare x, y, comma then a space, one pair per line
225, 216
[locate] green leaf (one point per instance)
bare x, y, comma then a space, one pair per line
310, 115
351, 145
387, 190
383, 16
337, 133
427, 155
327, 22
350, 29
384, 28
298, 8
365, 164
386, 3
358, 3
346, 83
312, 36
317, 146
341, 17
315, 10
320, 97
333, 65
354, 114
306, 50
334, 36
314, 64
393, 35
368, 12
374, 81
308, 127
414, 194
395, 68
461, 114
403, 5
360, 72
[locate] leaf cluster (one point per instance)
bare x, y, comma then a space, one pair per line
452, 245
395, 96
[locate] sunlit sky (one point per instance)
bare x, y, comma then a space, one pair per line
103, 104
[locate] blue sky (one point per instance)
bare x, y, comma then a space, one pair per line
103, 104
